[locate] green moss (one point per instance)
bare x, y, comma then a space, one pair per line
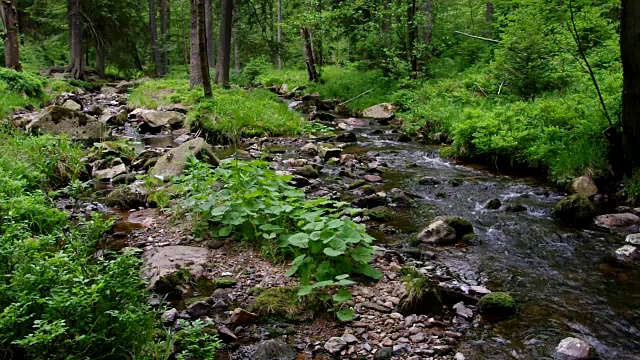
462, 226
497, 304
447, 152
379, 213
574, 210
422, 296
224, 283
282, 303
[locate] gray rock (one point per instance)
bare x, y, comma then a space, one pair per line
614, 221
384, 353
72, 105
274, 350
575, 210
626, 254
241, 316
335, 345
309, 148
77, 125
349, 338
95, 109
107, 170
161, 262
574, 349
226, 334
428, 180
158, 119
459, 356
307, 171
198, 309
169, 316
493, 204
463, 311
328, 153
173, 162
633, 239
118, 119
438, 232
401, 349
584, 186
382, 111
128, 197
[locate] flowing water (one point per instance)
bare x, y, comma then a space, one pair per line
562, 278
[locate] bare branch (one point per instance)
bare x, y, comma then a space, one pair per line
477, 37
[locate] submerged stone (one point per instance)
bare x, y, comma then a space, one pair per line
574, 210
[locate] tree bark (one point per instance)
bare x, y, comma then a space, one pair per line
208, 14
75, 39
427, 31
279, 38
224, 50
164, 35
312, 72
195, 65
157, 58
183, 34
11, 46
413, 35
236, 50
202, 48
630, 51
100, 63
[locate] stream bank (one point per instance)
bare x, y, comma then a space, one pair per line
561, 278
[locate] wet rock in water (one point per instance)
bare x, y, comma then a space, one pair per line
428, 180
169, 316
72, 105
77, 125
95, 109
344, 126
198, 309
123, 179
108, 169
575, 210
574, 349
515, 208
335, 345
357, 184
373, 178
584, 186
438, 233
173, 162
463, 311
310, 148
168, 268
348, 137
379, 213
370, 201
154, 120
382, 111
463, 227
366, 190
322, 116
404, 138
307, 171
241, 316
497, 304
273, 350
384, 353
401, 198
299, 181
127, 197
626, 254
118, 119
614, 221
493, 204
329, 153
633, 239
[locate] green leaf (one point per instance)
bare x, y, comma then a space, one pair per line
343, 295
333, 253
370, 271
324, 271
362, 254
338, 244
350, 235
305, 290
341, 277
345, 282
334, 224
346, 314
300, 240
224, 231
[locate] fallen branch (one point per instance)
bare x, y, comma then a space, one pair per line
477, 37
359, 96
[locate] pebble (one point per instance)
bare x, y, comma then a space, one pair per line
335, 345
349, 338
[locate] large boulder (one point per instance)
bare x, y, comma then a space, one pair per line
626, 254
166, 267
61, 120
574, 349
382, 111
173, 162
584, 186
447, 229
154, 120
574, 210
616, 221
497, 304
274, 350
128, 197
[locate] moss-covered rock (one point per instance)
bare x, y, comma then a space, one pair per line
574, 210
379, 213
307, 171
282, 303
224, 283
497, 304
127, 197
493, 204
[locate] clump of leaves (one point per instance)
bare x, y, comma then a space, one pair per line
197, 341
22, 82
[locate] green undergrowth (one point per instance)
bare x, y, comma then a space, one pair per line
337, 82
251, 203
230, 115
57, 299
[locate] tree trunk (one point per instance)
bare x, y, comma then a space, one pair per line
11, 45
279, 61
157, 58
427, 31
312, 72
75, 35
630, 51
100, 63
202, 48
236, 50
489, 14
136, 57
195, 65
184, 35
164, 35
208, 14
386, 22
224, 50
413, 35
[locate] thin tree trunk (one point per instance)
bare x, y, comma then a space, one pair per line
11, 45
157, 58
489, 14
629, 40
224, 51
208, 14
183, 34
100, 63
413, 35
136, 57
164, 35
279, 61
312, 72
202, 47
427, 31
75, 34
386, 22
236, 50
195, 65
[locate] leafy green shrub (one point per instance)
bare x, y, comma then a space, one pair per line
197, 341
22, 82
632, 187
253, 70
